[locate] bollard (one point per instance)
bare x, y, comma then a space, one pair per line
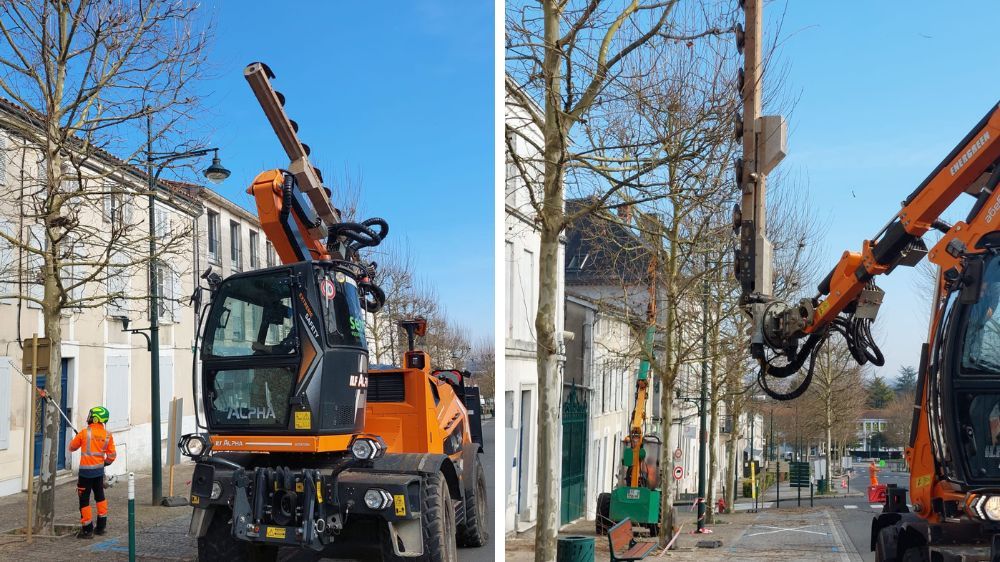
131, 517
777, 489
810, 493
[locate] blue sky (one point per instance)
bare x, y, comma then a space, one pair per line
885, 90
398, 97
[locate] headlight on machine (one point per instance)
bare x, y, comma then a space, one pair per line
377, 499
987, 507
366, 448
194, 445
216, 490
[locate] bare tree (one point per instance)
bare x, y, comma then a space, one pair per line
86, 77
588, 64
836, 395
899, 416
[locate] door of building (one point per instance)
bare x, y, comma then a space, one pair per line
574, 458
40, 420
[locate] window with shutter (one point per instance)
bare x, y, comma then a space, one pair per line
163, 292
117, 284
33, 275
8, 268
213, 237
254, 257
162, 222
235, 249
116, 391
175, 292
270, 256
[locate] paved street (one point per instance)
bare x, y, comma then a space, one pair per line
162, 532
849, 506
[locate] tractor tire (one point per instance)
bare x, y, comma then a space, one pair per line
219, 544
475, 529
438, 525
914, 554
603, 520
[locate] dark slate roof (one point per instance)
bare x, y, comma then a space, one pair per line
601, 249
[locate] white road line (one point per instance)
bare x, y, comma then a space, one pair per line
876, 506
850, 507
801, 529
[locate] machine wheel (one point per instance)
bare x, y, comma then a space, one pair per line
219, 544
439, 527
915, 554
475, 530
603, 519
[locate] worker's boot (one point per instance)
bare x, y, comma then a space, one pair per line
86, 532
102, 525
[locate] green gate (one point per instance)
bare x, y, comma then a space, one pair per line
574, 458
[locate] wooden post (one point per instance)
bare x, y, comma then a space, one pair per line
31, 434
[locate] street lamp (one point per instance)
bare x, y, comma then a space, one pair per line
215, 173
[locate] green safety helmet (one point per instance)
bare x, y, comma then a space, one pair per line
99, 414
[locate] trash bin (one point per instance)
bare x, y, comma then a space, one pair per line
575, 549
822, 486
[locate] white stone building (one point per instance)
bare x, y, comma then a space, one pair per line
102, 364
521, 250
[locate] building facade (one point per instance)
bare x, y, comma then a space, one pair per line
521, 251
102, 363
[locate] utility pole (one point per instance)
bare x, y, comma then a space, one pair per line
154, 321
764, 141
703, 403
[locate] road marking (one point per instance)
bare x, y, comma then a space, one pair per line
850, 507
801, 529
876, 506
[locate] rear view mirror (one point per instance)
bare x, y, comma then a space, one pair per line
451, 376
972, 282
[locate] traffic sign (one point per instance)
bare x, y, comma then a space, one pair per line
328, 289
677, 453
798, 474
678, 472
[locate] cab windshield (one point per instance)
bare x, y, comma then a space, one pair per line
252, 317
981, 428
345, 320
981, 345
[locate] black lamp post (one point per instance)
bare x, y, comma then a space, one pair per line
156, 162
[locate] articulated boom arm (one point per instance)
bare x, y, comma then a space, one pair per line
294, 207
848, 299
961, 172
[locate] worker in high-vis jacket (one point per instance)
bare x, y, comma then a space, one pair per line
97, 448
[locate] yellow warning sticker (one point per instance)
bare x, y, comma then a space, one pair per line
300, 487
303, 420
275, 532
195, 500
400, 503
923, 481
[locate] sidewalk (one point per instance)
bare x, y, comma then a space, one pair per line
790, 534
160, 531
788, 492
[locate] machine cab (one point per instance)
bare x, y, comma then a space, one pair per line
970, 373
269, 336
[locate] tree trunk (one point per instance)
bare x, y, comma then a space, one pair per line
829, 437
551, 219
713, 412
666, 465
732, 454
713, 460
46, 499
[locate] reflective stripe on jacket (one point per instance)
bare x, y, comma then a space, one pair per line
98, 449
